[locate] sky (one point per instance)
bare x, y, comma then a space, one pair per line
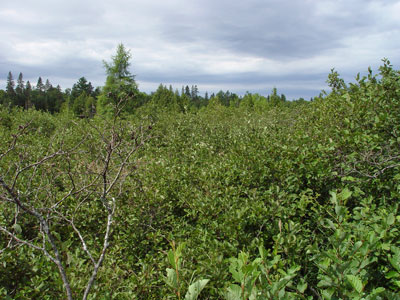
252, 45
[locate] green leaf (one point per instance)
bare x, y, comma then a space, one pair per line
390, 219
394, 261
195, 289
171, 278
355, 282
331, 224
179, 249
340, 211
301, 287
171, 259
263, 253
327, 294
333, 198
392, 274
234, 292
345, 194
17, 228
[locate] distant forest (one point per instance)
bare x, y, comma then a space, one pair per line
84, 100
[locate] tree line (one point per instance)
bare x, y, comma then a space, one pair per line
84, 100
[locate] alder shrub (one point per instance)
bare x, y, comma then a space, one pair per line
297, 200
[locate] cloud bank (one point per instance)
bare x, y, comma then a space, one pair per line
240, 46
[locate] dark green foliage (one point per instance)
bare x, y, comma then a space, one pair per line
82, 98
10, 89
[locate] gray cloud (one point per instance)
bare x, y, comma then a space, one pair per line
237, 45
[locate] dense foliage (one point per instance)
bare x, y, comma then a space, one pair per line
251, 198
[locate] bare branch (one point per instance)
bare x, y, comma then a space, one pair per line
21, 241
103, 252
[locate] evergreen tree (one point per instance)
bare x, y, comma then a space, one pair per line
47, 85
187, 91
39, 85
164, 98
39, 100
20, 91
81, 86
28, 95
53, 99
20, 83
120, 83
10, 89
194, 92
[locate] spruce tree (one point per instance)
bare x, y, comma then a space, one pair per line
47, 85
20, 91
39, 85
187, 91
10, 89
28, 95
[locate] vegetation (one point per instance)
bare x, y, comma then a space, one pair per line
172, 195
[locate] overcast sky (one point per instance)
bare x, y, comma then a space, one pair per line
251, 45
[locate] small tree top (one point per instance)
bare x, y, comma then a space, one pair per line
118, 68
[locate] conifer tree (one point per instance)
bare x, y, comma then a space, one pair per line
120, 84
40, 101
187, 91
47, 85
39, 85
20, 91
28, 95
10, 88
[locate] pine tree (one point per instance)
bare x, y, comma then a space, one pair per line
20, 91
39, 85
20, 83
10, 85
47, 85
10, 90
28, 95
194, 93
187, 91
81, 86
39, 99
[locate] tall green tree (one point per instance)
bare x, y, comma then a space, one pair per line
28, 95
20, 91
275, 99
120, 83
10, 88
40, 85
54, 99
82, 98
47, 85
39, 99
81, 86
